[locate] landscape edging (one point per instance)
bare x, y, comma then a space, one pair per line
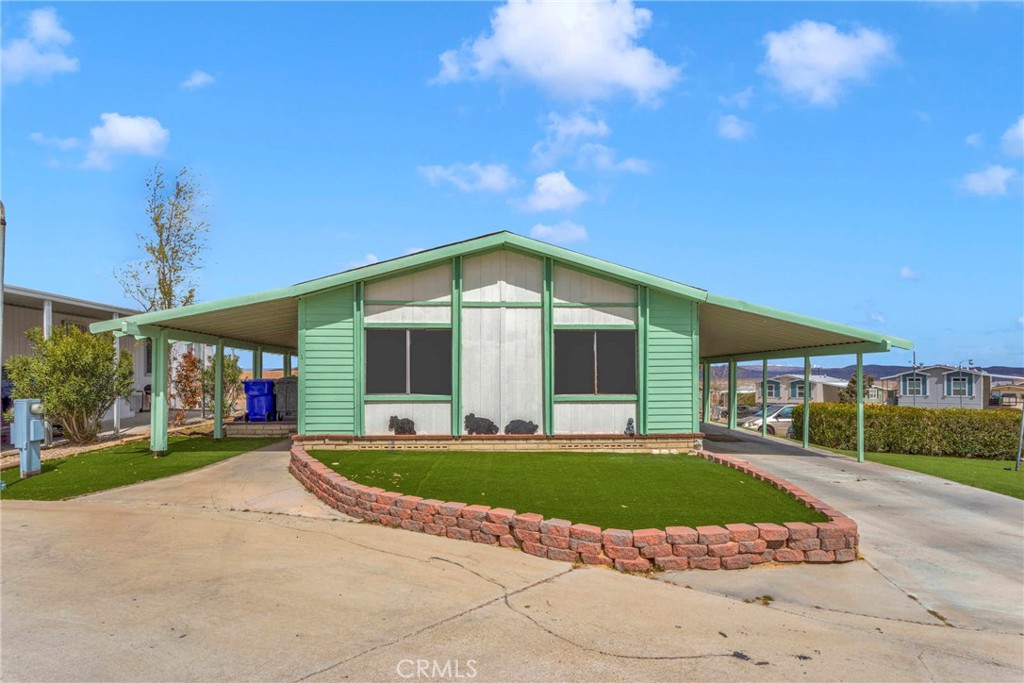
732, 546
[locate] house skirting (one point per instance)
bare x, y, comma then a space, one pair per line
596, 443
255, 429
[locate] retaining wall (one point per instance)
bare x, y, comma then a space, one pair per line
600, 443
733, 546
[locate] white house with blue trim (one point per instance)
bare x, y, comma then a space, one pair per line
943, 386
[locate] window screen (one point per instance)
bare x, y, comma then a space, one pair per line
408, 362
595, 362
616, 362
574, 362
430, 361
385, 362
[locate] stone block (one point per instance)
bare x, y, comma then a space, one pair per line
459, 533
646, 537
833, 543
430, 506
689, 550
495, 528
789, 555
561, 554
712, 535
507, 541
584, 547
451, 509
476, 512
408, 502
773, 532
758, 546
524, 535
484, 537
724, 549
743, 532
819, 556
599, 560
672, 563
736, 562
637, 565
529, 521
617, 537
500, 515
560, 542
621, 552
585, 532
805, 544
435, 529
535, 549
680, 535
412, 525
705, 562
846, 555
659, 550
799, 531
556, 527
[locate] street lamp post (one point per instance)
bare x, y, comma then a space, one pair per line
960, 375
3, 244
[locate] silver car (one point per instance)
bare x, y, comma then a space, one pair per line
780, 420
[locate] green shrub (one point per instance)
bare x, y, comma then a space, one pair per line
919, 431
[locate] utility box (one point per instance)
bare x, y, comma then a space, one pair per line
27, 434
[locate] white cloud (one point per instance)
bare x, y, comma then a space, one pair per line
367, 260
734, 128
563, 133
740, 100
813, 60
990, 181
474, 177
876, 317
124, 135
564, 232
974, 140
1013, 139
602, 158
573, 50
62, 144
554, 191
908, 273
40, 54
197, 79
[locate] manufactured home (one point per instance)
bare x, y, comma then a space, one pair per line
497, 337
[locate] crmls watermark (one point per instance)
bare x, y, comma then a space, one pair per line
433, 668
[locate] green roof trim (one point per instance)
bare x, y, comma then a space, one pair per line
490, 242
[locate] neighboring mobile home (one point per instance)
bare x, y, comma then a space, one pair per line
499, 327
943, 386
789, 388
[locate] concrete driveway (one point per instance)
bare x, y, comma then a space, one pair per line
173, 580
958, 550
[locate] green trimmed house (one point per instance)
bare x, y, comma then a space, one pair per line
507, 329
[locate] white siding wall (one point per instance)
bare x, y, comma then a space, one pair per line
593, 418
607, 315
502, 276
408, 314
573, 286
430, 418
434, 284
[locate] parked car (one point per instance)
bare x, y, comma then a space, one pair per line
780, 420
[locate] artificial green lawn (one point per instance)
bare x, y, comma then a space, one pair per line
991, 475
122, 465
610, 490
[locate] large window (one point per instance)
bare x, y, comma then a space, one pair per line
595, 362
958, 385
913, 385
774, 389
409, 362
796, 389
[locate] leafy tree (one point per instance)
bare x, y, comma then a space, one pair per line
187, 385
232, 379
848, 394
165, 277
77, 376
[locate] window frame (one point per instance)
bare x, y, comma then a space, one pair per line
920, 380
596, 394
408, 394
796, 388
954, 392
773, 390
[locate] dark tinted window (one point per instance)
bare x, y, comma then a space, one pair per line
574, 362
616, 362
430, 361
385, 361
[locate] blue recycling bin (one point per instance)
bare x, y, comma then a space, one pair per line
259, 400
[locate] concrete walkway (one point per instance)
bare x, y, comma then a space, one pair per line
172, 580
956, 549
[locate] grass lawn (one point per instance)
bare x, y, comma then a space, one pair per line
122, 465
990, 475
626, 491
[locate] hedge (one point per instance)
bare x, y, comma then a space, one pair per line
950, 432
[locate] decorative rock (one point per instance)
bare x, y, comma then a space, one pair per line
682, 535
617, 537
646, 537
712, 535
690, 550
556, 527
671, 563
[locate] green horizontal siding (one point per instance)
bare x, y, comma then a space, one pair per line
670, 354
327, 349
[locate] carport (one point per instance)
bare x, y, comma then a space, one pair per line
726, 330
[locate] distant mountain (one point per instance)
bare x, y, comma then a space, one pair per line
754, 373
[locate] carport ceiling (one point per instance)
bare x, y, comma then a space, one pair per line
266, 323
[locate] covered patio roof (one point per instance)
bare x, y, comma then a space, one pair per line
730, 329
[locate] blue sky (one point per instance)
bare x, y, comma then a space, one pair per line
856, 162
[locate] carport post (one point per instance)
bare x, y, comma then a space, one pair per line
158, 406
807, 401
287, 365
705, 405
257, 363
218, 391
732, 394
764, 397
860, 407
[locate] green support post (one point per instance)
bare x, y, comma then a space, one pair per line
807, 401
218, 391
257, 363
705, 404
158, 398
732, 394
547, 301
860, 407
456, 408
764, 398
287, 365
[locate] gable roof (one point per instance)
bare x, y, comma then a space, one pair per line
729, 328
946, 369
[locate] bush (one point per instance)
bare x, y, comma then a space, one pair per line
951, 432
